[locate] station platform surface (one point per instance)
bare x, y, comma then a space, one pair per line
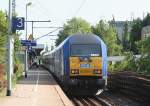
38, 89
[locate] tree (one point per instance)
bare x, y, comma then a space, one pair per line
135, 34
146, 20
3, 40
126, 38
100, 28
3, 37
144, 61
75, 25
109, 35
144, 46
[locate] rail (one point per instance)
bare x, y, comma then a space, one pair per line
135, 86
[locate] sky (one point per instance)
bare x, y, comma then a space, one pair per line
60, 11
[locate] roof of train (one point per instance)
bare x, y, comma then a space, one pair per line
84, 39
80, 39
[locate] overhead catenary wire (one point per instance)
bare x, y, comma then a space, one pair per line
45, 10
77, 11
48, 34
41, 9
48, 27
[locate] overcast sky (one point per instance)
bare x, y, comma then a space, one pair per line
59, 11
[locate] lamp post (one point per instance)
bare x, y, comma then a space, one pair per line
10, 51
26, 50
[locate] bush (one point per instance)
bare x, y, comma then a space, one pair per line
2, 77
18, 69
128, 64
144, 61
131, 63
144, 64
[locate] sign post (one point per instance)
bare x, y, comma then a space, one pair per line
13, 25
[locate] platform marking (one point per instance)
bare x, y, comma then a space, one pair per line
37, 71
40, 74
35, 89
34, 101
37, 81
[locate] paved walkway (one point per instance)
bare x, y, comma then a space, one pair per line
39, 89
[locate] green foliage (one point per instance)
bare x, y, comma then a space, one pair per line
146, 20
144, 61
128, 64
75, 25
3, 37
131, 63
100, 28
17, 45
126, 38
144, 46
18, 68
137, 46
135, 34
144, 64
109, 35
3, 24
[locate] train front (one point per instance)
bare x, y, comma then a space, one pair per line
87, 68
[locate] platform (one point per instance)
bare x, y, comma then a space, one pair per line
39, 89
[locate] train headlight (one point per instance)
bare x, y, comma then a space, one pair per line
97, 71
74, 71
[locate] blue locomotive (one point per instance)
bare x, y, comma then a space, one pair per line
80, 61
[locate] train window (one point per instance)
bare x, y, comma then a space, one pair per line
85, 50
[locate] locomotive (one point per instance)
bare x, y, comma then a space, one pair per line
80, 61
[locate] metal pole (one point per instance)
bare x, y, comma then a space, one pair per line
32, 28
26, 52
13, 15
10, 51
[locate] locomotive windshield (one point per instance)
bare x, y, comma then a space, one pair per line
85, 50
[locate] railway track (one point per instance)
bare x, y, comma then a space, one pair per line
104, 99
125, 89
89, 101
132, 85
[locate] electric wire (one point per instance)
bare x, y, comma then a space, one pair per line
48, 34
45, 11
82, 4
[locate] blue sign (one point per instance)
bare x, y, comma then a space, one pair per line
33, 43
18, 23
28, 43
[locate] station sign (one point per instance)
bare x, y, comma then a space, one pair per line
28, 43
18, 23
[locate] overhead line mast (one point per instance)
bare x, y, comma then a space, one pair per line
36, 22
10, 51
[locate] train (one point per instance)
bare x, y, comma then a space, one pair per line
79, 62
